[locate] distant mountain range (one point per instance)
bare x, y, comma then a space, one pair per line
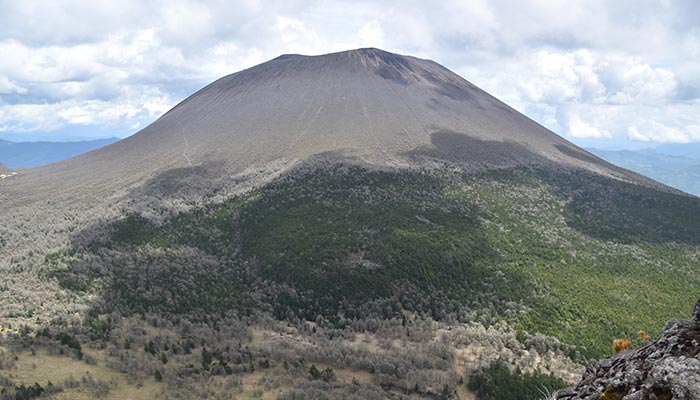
677, 165
35, 154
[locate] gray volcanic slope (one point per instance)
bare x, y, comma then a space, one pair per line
368, 104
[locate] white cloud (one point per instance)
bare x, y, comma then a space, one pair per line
591, 94
633, 134
186, 22
371, 35
296, 36
656, 132
7, 86
120, 112
581, 129
642, 83
556, 77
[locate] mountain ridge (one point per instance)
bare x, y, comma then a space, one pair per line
377, 106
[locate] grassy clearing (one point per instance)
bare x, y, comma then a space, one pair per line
43, 368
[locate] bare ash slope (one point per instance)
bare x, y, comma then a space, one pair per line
380, 107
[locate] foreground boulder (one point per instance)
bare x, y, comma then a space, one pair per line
666, 369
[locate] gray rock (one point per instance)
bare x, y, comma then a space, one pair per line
668, 368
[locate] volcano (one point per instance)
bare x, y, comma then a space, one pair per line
362, 223
367, 104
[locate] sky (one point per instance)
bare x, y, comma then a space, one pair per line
606, 74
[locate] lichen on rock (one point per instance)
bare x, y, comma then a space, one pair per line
668, 368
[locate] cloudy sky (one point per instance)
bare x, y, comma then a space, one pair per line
605, 73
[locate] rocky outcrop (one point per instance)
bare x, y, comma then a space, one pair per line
668, 368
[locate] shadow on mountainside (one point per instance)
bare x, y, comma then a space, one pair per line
598, 206
619, 211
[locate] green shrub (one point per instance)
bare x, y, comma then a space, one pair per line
498, 382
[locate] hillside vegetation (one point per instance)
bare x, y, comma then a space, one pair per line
564, 261
571, 255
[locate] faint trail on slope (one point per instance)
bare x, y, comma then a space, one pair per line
420, 122
187, 145
302, 134
410, 109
